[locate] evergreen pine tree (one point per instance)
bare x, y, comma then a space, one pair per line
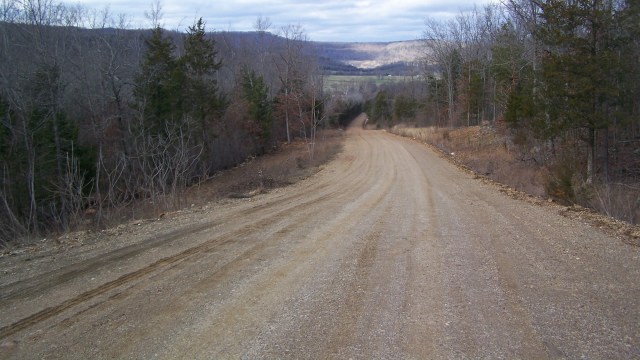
158, 86
578, 68
203, 101
256, 93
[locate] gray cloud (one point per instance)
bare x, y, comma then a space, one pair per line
353, 20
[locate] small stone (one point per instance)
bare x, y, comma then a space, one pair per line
8, 344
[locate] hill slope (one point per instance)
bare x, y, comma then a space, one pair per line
397, 58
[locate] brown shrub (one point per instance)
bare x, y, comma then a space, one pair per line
559, 184
485, 151
258, 174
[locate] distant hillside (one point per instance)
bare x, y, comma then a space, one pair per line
342, 58
395, 58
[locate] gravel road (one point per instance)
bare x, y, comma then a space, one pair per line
388, 252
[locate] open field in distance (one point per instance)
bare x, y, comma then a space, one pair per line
340, 82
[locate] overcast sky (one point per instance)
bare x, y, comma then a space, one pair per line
322, 20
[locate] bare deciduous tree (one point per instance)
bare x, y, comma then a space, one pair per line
290, 68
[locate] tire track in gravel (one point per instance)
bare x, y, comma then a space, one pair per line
49, 280
344, 334
370, 191
372, 272
42, 282
293, 271
354, 179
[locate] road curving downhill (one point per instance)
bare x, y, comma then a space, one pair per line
388, 252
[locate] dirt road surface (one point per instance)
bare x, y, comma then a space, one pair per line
388, 252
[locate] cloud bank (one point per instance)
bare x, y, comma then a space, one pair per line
332, 20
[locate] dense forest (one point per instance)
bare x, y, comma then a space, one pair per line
562, 78
95, 116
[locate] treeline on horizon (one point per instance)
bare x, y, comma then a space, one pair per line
562, 77
95, 119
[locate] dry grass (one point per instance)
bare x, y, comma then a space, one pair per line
257, 175
484, 151
495, 159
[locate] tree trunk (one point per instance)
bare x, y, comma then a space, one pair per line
32, 221
450, 96
591, 156
606, 154
286, 114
